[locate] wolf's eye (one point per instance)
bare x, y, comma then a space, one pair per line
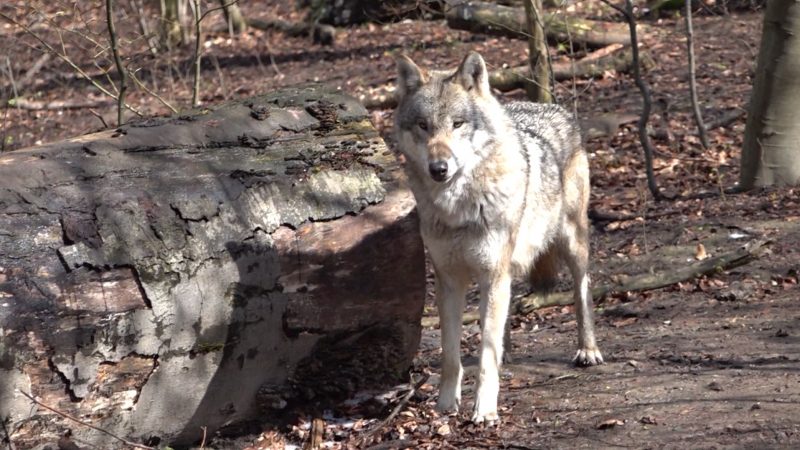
458, 123
422, 125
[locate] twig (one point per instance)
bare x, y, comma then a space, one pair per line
143, 87
97, 114
698, 116
220, 75
10, 444
67, 60
646, 101
203, 442
79, 421
11, 78
400, 405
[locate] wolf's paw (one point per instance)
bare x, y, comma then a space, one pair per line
588, 357
447, 405
488, 419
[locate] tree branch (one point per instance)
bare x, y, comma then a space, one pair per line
67, 60
644, 138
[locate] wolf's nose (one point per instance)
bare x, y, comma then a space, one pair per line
438, 170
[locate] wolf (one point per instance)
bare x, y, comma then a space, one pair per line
501, 191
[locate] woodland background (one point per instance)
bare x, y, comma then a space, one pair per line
700, 356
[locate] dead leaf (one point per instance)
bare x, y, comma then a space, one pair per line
700, 252
648, 420
624, 322
610, 423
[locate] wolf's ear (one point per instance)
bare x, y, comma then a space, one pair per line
472, 74
409, 76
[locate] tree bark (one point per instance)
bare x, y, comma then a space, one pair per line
539, 89
770, 155
233, 17
490, 18
172, 30
205, 270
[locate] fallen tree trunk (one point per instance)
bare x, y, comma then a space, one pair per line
494, 19
614, 58
320, 33
204, 270
646, 282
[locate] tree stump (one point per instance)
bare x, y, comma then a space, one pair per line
204, 270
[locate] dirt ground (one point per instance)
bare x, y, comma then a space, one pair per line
712, 362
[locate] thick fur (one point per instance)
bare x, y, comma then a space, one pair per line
501, 191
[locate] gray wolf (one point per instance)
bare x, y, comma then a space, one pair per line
501, 191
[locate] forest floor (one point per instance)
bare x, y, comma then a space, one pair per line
712, 362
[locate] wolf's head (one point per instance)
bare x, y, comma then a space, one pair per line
446, 122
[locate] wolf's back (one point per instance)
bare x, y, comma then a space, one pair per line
546, 131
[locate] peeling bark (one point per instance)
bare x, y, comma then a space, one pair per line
155, 278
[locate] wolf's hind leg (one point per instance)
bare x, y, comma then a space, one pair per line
576, 255
544, 274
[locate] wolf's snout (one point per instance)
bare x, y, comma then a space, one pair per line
438, 170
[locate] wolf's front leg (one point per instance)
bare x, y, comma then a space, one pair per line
495, 298
450, 294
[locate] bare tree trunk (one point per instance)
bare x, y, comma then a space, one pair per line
173, 17
123, 74
233, 16
540, 89
698, 116
771, 155
198, 30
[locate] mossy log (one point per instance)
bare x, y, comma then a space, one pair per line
204, 270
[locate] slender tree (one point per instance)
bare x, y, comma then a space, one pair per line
233, 16
771, 155
540, 89
172, 30
123, 74
698, 116
644, 89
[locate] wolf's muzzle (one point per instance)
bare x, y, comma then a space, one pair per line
438, 170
